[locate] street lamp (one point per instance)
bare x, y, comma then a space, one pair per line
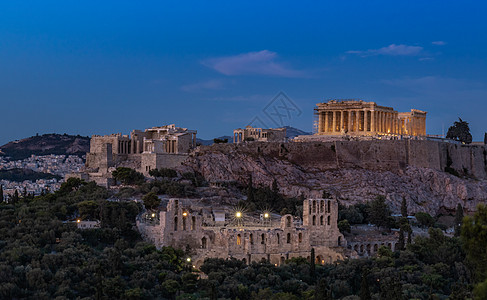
238, 215
185, 214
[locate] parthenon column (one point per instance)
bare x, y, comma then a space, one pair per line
334, 121
341, 121
326, 121
372, 121
349, 125
379, 121
320, 124
357, 120
365, 120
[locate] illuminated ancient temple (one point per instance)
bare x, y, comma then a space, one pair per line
357, 117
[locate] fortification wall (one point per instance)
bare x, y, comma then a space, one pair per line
384, 155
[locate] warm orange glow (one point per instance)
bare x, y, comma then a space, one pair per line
78, 220
266, 215
185, 214
238, 214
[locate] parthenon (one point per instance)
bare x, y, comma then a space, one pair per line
357, 117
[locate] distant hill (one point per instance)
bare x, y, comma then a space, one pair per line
59, 144
20, 175
293, 132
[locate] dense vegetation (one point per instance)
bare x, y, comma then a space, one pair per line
20, 175
47, 144
431, 268
269, 198
44, 256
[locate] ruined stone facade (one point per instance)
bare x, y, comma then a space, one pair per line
360, 118
259, 134
156, 147
210, 233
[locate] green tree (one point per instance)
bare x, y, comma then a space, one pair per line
458, 219
151, 201
127, 176
344, 226
250, 190
312, 269
15, 197
401, 241
364, 287
424, 219
379, 212
460, 131
474, 238
322, 290
404, 208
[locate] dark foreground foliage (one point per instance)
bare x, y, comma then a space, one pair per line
44, 256
431, 268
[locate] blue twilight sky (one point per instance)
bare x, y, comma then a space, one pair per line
99, 67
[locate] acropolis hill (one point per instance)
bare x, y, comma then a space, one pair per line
359, 150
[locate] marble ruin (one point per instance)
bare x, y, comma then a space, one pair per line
250, 133
360, 118
218, 234
165, 146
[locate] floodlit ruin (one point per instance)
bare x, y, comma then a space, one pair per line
250, 133
165, 146
217, 233
360, 118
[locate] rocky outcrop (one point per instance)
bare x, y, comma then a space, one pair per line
425, 188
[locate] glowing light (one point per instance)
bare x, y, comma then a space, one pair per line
153, 215
185, 214
266, 215
188, 259
323, 262
238, 214
78, 220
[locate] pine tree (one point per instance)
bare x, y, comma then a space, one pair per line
400, 242
312, 268
250, 191
458, 219
16, 197
410, 238
404, 208
364, 287
322, 290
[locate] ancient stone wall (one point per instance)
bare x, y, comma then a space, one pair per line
382, 155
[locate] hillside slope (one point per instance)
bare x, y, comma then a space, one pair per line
46, 144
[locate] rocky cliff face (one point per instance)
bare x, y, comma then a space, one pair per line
425, 189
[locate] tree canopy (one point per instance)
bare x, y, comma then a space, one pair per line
460, 131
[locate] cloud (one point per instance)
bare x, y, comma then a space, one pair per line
213, 84
391, 50
252, 63
439, 43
